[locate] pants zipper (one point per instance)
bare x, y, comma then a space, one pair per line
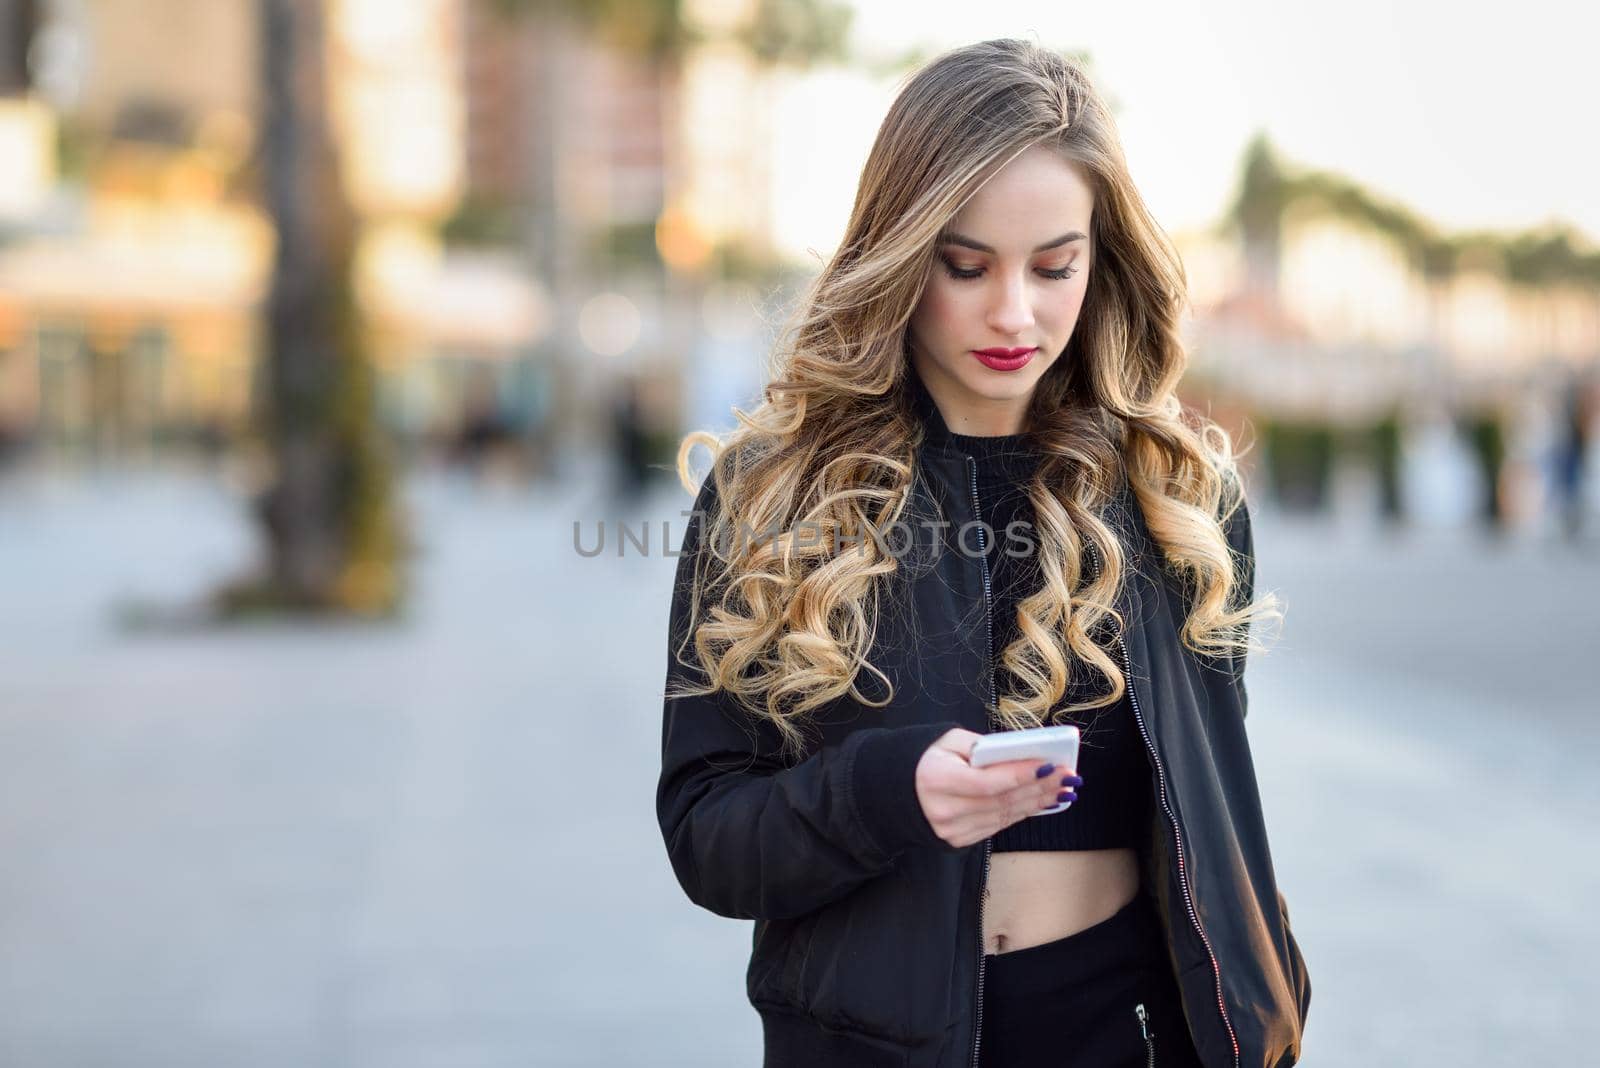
1177, 832
1144, 1030
988, 843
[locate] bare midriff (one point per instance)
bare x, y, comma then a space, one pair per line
1037, 897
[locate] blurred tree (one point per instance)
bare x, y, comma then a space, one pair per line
1268, 189
329, 513
797, 32
1257, 211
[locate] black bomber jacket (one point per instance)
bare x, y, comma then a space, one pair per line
867, 944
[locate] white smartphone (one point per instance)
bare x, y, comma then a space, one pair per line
1053, 745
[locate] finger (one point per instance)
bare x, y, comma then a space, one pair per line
996, 780
1012, 813
1013, 805
1048, 784
1033, 793
1017, 805
974, 783
1033, 802
1012, 774
959, 741
1030, 799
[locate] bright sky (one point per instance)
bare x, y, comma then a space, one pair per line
1472, 121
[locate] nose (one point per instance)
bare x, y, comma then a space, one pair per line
1010, 312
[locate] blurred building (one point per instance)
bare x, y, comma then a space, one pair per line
539, 96
524, 231
129, 271
572, 159
135, 256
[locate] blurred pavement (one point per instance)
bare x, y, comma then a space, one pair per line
320, 845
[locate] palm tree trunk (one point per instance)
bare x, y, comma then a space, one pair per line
327, 514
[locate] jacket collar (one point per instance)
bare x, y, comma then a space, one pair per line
1125, 514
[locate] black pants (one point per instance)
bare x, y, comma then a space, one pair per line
1076, 1001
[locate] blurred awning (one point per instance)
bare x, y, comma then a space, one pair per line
180, 262
132, 267
463, 300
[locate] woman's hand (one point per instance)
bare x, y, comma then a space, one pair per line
965, 804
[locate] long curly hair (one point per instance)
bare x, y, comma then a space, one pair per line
788, 621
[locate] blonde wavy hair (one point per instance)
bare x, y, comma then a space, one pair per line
789, 621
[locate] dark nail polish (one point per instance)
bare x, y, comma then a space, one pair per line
1043, 771
1071, 780
1065, 795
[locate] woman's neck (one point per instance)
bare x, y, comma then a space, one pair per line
968, 416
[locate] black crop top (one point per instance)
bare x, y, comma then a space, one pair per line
1113, 809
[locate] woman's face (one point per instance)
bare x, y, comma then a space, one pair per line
1010, 275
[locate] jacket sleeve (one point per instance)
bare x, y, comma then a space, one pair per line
752, 837
1241, 541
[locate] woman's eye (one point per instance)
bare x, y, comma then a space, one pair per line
968, 273
957, 272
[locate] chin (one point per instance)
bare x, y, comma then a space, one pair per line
996, 386
1000, 391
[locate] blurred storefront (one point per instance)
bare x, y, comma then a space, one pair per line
134, 257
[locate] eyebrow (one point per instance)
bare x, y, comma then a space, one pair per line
953, 238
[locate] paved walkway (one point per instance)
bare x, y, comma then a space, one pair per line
287, 845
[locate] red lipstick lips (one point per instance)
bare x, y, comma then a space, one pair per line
1005, 359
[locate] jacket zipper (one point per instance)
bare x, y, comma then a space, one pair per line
988, 843
1144, 1030
1177, 832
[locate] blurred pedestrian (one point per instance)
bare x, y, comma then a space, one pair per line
630, 440
1485, 433
1574, 434
483, 433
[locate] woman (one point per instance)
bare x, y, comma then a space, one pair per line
972, 502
